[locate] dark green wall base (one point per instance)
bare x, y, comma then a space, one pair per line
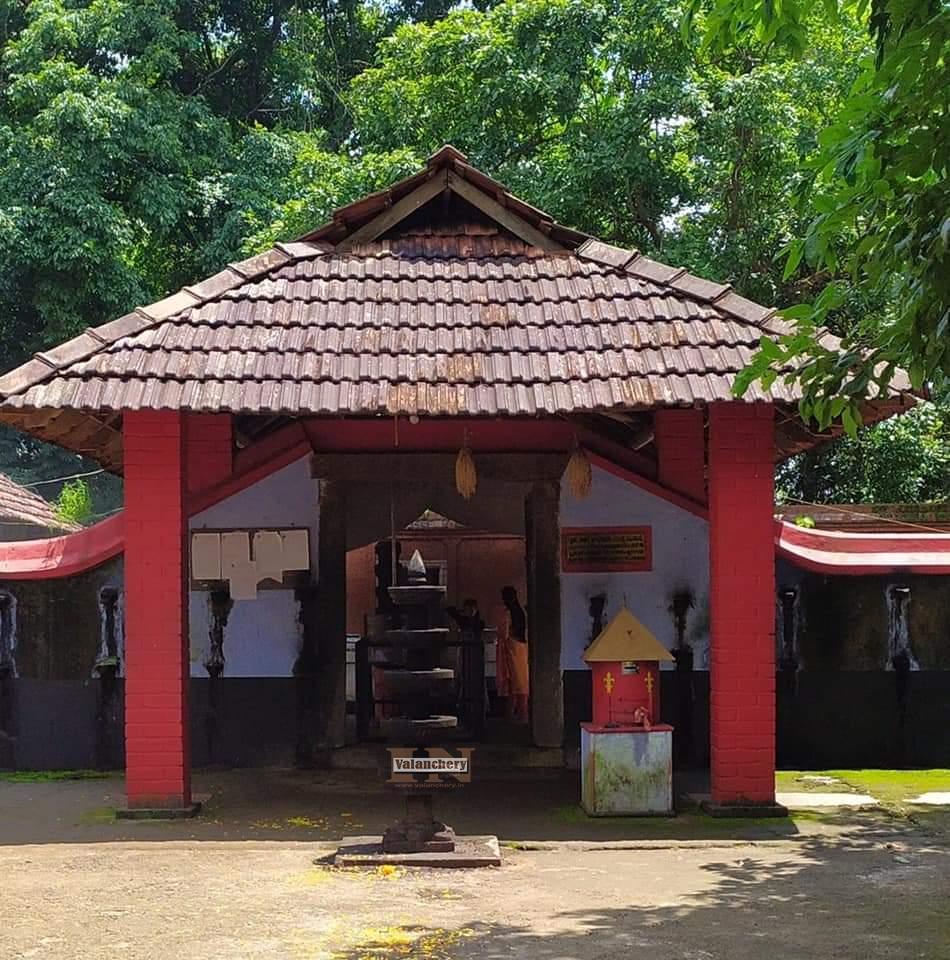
825, 720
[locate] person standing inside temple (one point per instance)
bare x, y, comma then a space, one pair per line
514, 646
469, 620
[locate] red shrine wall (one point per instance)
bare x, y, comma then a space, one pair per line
157, 735
208, 449
57, 712
681, 451
742, 607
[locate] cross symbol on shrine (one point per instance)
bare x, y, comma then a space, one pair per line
609, 682
649, 682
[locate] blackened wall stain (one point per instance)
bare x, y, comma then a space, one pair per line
845, 623
59, 623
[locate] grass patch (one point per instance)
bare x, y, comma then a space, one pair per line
790, 781
97, 815
53, 776
892, 788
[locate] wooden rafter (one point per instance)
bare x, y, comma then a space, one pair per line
397, 212
502, 215
441, 182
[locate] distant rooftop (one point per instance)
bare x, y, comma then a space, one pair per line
430, 520
21, 507
872, 517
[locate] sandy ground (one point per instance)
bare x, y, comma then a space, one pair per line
214, 900
93, 891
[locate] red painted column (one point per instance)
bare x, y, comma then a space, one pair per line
157, 748
680, 439
742, 602
209, 449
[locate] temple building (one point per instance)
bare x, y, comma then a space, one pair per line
281, 424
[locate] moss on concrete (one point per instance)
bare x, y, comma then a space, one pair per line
53, 776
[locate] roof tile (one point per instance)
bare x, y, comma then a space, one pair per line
653, 270
168, 306
698, 287
605, 253
261, 263
742, 308
431, 322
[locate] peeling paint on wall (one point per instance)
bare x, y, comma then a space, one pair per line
788, 628
681, 602
7, 677
219, 609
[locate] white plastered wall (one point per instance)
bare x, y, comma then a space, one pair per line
263, 636
680, 561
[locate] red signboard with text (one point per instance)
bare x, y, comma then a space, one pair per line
606, 549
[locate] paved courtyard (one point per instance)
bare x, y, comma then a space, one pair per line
242, 881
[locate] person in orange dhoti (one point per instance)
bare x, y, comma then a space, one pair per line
513, 643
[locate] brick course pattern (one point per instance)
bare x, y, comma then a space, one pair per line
681, 451
208, 447
742, 601
158, 757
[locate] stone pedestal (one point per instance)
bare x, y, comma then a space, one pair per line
626, 771
419, 831
416, 688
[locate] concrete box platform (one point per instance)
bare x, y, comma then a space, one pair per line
480, 851
626, 771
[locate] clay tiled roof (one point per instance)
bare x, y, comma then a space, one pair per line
443, 295
22, 507
357, 334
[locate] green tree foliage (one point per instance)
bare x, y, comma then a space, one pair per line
145, 144
877, 194
576, 105
104, 166
902, 460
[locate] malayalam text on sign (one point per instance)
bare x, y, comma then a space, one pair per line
606, 549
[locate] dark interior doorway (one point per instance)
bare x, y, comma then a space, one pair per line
505, 535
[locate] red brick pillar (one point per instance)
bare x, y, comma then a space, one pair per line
742, 602
681, 451
208, 448
157, 748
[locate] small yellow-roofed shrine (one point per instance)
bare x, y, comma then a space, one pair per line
626, 753
625, 639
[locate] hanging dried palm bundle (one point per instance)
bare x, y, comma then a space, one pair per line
579, 472
466, 480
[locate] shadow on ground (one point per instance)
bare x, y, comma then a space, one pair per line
824, 900
808, 906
